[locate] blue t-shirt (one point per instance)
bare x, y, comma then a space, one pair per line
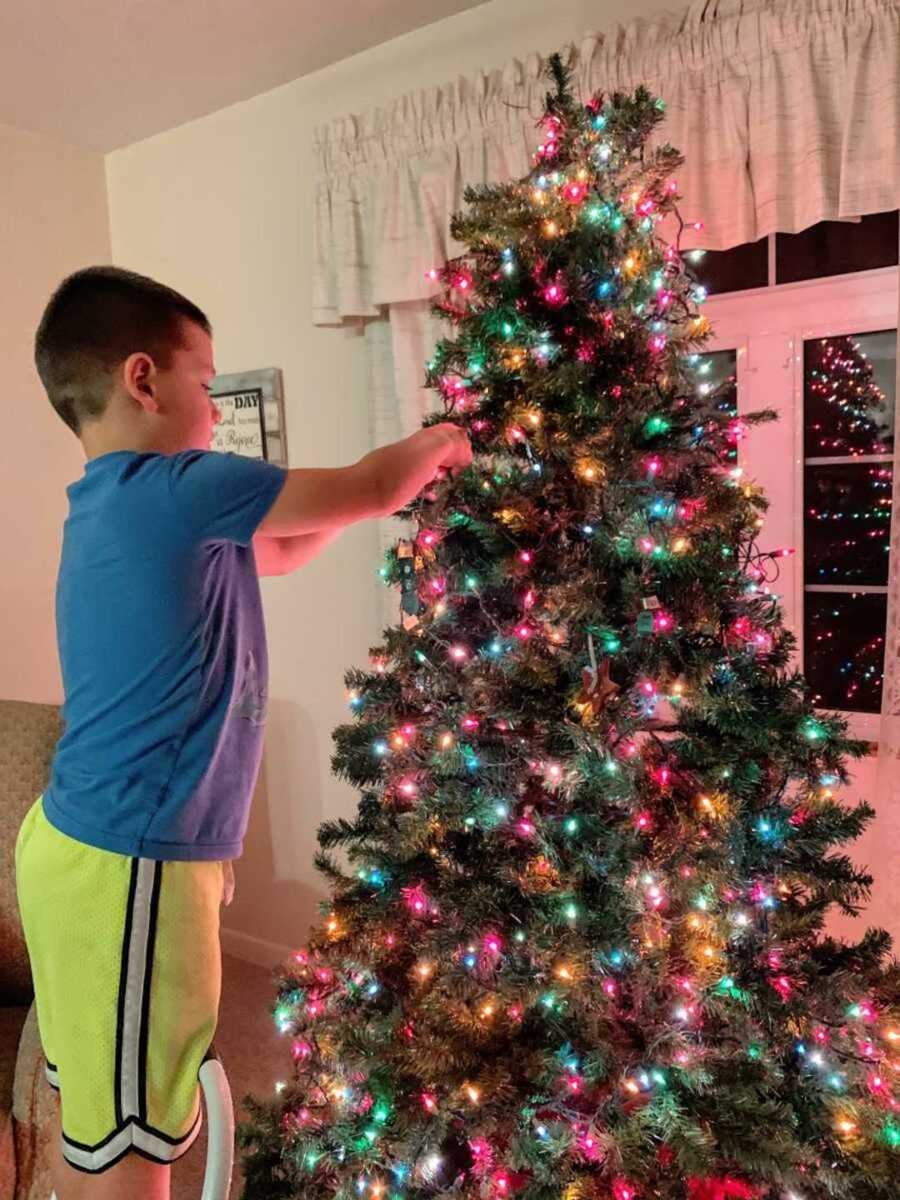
163, 653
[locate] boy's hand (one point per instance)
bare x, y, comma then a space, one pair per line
458, 453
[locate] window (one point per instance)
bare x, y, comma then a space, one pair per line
733, 270
716, 377
822, 352
836, 248
848, 417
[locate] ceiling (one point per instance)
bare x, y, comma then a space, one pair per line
105, 73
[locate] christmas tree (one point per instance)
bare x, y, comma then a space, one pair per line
577, 947
851, 416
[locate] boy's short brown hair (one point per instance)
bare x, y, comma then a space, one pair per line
94, 320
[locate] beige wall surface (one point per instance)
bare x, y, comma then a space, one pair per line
53, 220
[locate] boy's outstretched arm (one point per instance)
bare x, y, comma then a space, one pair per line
320, 500
281, 555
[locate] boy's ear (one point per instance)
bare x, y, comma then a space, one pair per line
139, 380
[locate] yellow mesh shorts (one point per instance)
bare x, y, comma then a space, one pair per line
127, 972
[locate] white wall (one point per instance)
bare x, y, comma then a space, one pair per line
221, 209
53, 220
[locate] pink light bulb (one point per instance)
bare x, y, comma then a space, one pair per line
782, 986
416, 900
655, 896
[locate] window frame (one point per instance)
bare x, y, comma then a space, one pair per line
777, 320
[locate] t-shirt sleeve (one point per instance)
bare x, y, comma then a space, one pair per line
223, 497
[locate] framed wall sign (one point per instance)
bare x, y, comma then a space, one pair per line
251, 404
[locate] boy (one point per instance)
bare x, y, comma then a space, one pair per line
122, 863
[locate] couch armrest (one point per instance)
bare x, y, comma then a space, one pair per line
34, 1107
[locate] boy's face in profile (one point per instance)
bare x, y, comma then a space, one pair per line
185, 405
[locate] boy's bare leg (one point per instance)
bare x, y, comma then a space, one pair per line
132, 1176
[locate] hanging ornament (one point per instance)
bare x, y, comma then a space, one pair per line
646, 622
540, 876
597, 689
410, 563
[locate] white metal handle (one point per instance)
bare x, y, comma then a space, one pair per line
219, 1130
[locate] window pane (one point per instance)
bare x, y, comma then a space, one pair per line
847, 529
844, 649
734, 270
716, 376
837, 248
849, 386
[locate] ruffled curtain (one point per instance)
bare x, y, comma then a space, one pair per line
395, 353
787, 113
